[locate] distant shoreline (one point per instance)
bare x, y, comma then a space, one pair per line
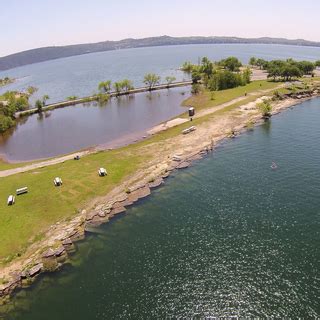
51, 53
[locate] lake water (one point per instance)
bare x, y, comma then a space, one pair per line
226, 237
80, 76
120, 121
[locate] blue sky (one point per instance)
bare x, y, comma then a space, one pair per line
27, 24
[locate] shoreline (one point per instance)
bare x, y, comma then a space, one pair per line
102, 209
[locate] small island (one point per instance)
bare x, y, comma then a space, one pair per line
5, 81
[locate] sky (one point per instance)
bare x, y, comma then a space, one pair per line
28, 24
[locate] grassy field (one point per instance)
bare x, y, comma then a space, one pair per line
45, 204
204, 100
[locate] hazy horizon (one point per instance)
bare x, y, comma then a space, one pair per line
58, 23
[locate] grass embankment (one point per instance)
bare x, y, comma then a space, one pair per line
204, 100
44, 205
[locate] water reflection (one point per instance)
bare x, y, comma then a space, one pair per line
65, 130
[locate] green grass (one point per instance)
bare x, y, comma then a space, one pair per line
204, 101
44, 205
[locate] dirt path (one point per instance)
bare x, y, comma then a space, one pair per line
42, 164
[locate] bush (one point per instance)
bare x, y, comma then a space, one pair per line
266, 108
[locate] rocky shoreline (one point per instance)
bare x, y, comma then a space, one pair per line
51, 254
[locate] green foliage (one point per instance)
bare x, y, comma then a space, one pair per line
276, 95
117, 86
151, 80
169, 80
196, 76
71, 98
126, 85
206, 67
195, 89
187, 67
231, 63
103, 97
265, 107
5, 122
246, 76
317, 63
224, 79
39, 105
252, 61
285, 70
104, 86
31, 90
5, 81
10, 103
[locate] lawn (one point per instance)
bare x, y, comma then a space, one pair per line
45, 204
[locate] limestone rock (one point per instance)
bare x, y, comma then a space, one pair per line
35, 270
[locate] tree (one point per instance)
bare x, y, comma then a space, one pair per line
290, 71
105, 86
253, 61
206, 67
117, 87
187, 67
151, 79
246, 76
317, 63
195, 89
196, 76
231, 64
306, 67
126, 85
262, 64
274, 73
31, 90
169, 80
39, 105
266, 108
44, 99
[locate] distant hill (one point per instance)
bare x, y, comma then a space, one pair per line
50, 53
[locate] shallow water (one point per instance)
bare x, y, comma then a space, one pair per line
226, 237
122, 120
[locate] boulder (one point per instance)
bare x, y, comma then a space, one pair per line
49, 253
67, 242
35, 269
183, 165
156, 183
59, 251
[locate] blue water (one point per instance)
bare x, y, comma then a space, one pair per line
228, 237
80, 75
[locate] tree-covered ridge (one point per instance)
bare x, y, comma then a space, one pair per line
219, 75
285, 70
56, 52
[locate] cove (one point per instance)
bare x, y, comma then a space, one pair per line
227, 237
120, 121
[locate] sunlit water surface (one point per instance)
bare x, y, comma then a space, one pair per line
227, 237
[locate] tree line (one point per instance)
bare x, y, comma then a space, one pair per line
285, 70
218, 75
124, 86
